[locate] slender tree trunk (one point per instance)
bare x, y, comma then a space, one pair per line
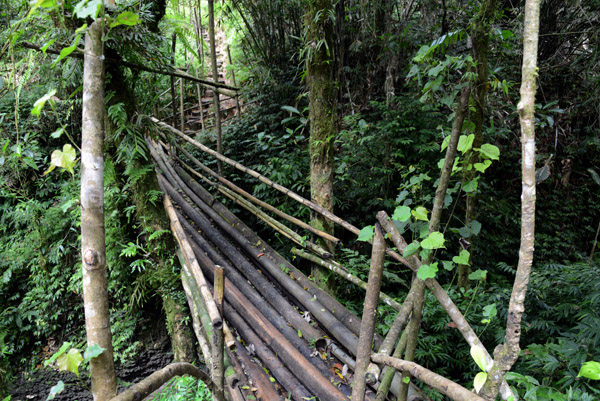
215, 74
481, 41
505, 355
95, 283
322, 115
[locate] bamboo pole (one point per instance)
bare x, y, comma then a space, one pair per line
237, 98
369, 316
181, 109
191, 261
253, 199
339, 270
217, 349
173, 45
196, 314
269, 358
257, 375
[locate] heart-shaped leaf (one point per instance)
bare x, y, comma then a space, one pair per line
55, 390
420, 213
92, 351
489, 151
462, 258
478, 275
411, 249
126, 18
427, 271
402, 213
70, 361
434, 240
366, 234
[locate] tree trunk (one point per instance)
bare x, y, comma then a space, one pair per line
95, 292
215, 74
481, 40
322, 116
505, 355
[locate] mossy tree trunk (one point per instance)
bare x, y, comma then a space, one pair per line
93, 246
480, 36
319, 22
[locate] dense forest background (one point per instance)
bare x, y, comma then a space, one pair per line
395, 71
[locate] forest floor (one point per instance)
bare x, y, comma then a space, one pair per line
155, 353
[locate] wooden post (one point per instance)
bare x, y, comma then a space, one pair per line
217, 351
367, 327
173, 106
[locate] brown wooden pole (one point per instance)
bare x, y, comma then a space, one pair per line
369, 316
217, 350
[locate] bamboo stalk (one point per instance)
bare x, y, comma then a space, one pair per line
369, 316
255, 200
182, 111
257, 375
217, 349
191, 261
342, 272
196, 313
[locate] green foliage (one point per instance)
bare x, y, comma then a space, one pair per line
184, 388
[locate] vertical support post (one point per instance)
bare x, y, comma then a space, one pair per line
237, 96
181, 111
217, 351
367, 327
173, 105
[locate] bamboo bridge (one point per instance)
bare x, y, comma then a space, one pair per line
265, 330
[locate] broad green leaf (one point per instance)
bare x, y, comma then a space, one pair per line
88, 8
445, 143
590, 370
475, 227
402, 213
507, 34
55, 390
427, 271
448, 265
411, 249
490, 310
299, 334
290, 109
66, 345
406, 379
478, 275
435, 240
67, 50
39, 104
366, 234
478, 355
465, 142
64, 159
420, 213
56, 134
594, 175
70, 361
462, 258
435, 71
424, 254
125, 18
481, 167
471, 186
92, 351
489, 151
479, 381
